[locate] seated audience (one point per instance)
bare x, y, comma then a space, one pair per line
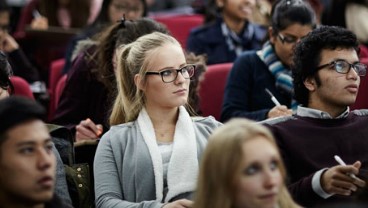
242, 167
21, 65
6, 89
157, 136
27, 160
326, 80
85, 103
227, 33
268, 69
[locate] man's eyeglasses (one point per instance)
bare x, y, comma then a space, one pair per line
170, 75
343, 67
287, 39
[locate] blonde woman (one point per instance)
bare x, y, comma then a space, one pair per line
149, 157
242, 168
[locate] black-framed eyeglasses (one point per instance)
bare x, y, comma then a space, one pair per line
4, 27
287, 39
170, 75
343, 67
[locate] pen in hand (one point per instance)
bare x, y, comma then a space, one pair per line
341, 162
273, 98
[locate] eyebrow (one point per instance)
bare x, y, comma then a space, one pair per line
182, 65
33, 142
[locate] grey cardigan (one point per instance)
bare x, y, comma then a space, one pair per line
123, 169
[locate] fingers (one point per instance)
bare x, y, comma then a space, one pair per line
182, 203
278, 111
87, 130
337, 180
186, 202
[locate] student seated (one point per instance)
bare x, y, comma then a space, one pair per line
327, 74
27, 161
242, 168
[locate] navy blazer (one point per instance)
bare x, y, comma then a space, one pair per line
208, 39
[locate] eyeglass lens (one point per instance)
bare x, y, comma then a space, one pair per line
344, 67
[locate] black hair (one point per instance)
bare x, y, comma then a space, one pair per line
15, 110
5, 73
307, 55
4, 7
287, 12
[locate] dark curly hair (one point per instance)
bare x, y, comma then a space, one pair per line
307, 55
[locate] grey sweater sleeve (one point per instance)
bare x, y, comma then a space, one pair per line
108, 189
61, 187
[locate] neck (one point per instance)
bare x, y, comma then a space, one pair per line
164, 122
235, 25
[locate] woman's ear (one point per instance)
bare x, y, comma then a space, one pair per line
138, 81
310, 84
270, 35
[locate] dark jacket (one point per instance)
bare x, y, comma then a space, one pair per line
208, 39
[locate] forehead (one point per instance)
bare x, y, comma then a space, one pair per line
166, 56
258, 148
348, 54
29, 131
297, 30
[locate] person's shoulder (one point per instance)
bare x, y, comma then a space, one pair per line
278, 120
260, 31
210, 30
206, 122
360, 112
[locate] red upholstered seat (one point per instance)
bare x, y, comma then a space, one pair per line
211, 91
21, 87
180, 25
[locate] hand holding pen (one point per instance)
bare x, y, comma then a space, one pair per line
39, 22
278, 110
341, 179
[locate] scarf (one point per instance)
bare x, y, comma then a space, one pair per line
237, 43
283, 79
183, 166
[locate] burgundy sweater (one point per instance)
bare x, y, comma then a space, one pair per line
309, 144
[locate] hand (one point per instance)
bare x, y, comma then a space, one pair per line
182, 203
336, 180
88, 130
40, 23
278, 111
8, 43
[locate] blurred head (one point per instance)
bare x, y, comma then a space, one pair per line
151, 72
132, 9
115, 36
27, 163
6, 87
238, 10
325, 45
290, 21
4, 18
241, 167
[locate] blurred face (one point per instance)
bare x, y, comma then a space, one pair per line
133, 9
4, 24
27, 164
285, 41
239, 10
166, 95
260, 178
336, 90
